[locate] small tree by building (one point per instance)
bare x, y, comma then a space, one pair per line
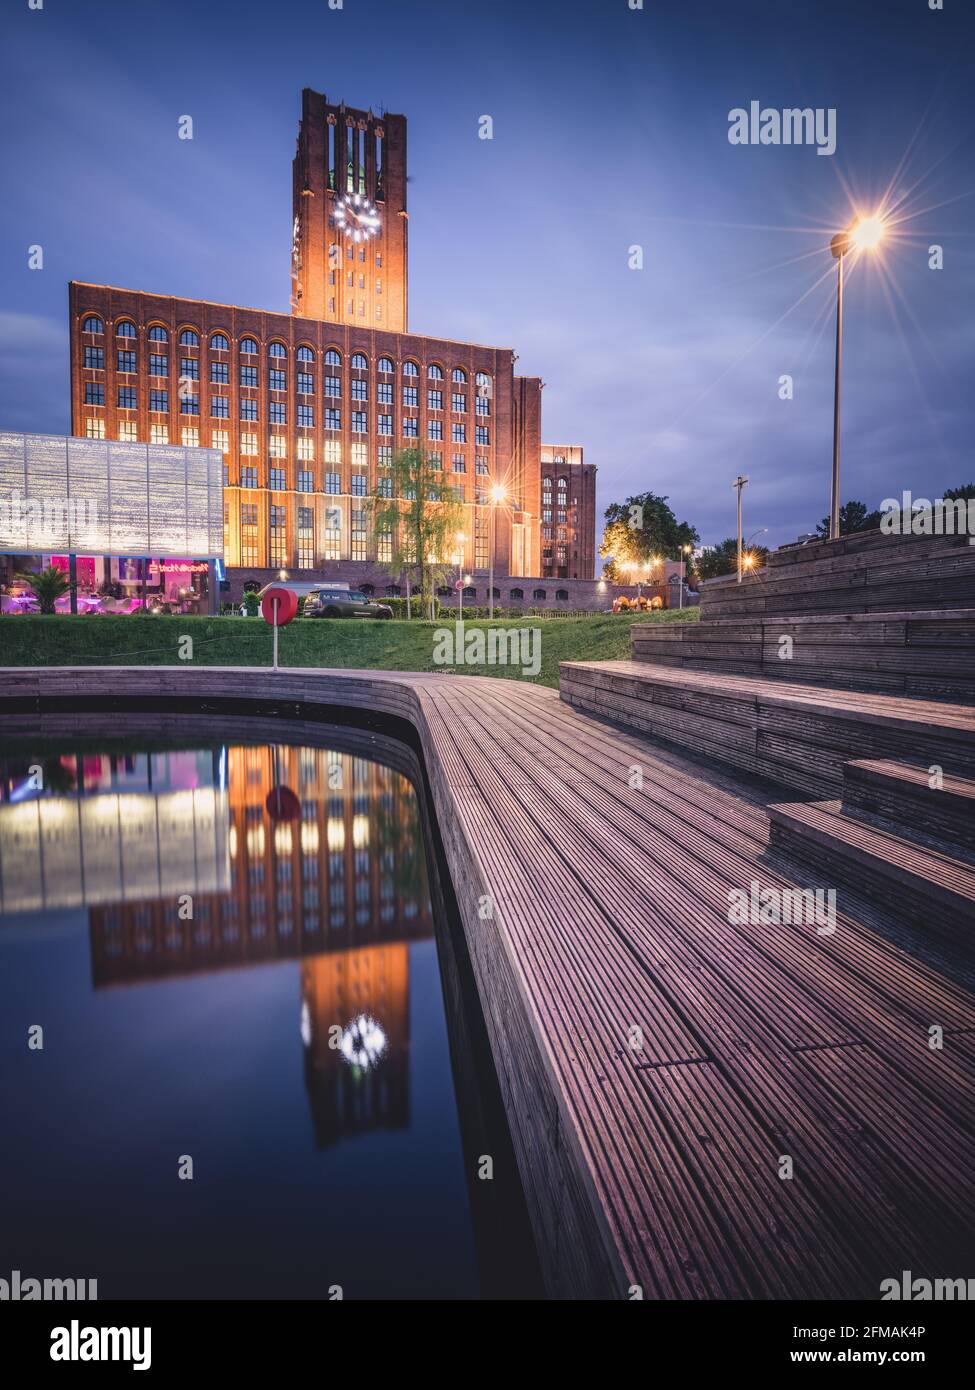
417, 510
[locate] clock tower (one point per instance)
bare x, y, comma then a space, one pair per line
349, 234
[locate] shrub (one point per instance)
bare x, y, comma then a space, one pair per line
418, 609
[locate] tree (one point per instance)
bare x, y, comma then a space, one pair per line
853, 517
966, 493
47, 586
640, 529
419, 511
722, 558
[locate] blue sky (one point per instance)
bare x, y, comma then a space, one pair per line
610, 130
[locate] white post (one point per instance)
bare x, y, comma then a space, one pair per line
274, 609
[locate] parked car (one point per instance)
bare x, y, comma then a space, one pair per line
327, 602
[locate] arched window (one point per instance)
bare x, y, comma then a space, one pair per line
538, 593
394, 591
305, 354
367, 589
277, 350
561, 595
158, 334
458, 374
248, 345
483, 380
189, 338
497, 592
125, 329
517, 593
93, 324
444, 591
219, 342
410, 369
385, 364
434, 372
332, 358
470, 591
547, 484
359, 362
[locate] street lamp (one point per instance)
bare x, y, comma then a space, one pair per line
864, 235
458, 560
739, 483
685, 550
498, 494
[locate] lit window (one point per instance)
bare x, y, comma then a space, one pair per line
248, 444
191, 437
332, 451
220, 439
158, 434
128, 432
306, 449
94, 429
277, 446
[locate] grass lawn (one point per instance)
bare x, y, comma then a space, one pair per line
32, 640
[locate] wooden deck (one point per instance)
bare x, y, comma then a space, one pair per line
659, 1063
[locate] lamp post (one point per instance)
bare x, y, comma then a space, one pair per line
864, 235
739, 483
685, 550
497, 495
458, 560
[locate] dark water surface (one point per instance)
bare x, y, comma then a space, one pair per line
289, 1036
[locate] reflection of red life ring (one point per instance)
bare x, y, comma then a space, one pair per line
282, 804
287, 606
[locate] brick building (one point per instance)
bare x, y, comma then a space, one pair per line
308, 414
309, 407
568, 513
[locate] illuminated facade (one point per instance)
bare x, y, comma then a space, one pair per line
307, 409
568, 513
307, 416
349, 247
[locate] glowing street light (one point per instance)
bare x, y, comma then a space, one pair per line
685, 550
865, 234
498, 496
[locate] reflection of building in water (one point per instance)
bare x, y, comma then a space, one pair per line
355, 1030
105, 829
347, 871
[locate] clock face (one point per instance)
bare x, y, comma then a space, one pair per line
357, 217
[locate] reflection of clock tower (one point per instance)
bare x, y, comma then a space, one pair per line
349, 254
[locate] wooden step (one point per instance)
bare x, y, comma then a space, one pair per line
912, 881
858, 574
902, 795
928, 654
796, 735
